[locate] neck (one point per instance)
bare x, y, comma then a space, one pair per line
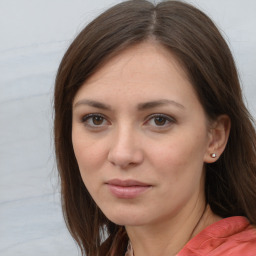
169, 237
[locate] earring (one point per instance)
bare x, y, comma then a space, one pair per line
213, 155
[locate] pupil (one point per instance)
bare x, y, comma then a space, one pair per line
97, 120
160, 120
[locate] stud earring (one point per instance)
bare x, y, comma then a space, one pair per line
213, 155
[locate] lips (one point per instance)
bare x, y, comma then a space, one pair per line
127, 189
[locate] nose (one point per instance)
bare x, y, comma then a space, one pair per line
125, 149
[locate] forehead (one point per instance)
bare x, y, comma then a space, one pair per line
146, 69
152, 55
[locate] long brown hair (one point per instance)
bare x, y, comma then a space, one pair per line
193, 38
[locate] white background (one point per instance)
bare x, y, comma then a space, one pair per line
34, 35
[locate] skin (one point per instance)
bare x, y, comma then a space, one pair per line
116, 135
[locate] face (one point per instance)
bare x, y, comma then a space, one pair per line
140, 137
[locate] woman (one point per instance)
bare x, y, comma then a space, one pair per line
155, 147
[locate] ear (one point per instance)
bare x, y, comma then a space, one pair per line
218, 138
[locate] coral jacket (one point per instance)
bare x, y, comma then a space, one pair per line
233, 236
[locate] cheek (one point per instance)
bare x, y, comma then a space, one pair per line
179, 170
88, 159
89, 154
179, 156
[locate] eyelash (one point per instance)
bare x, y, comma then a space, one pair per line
167, 120
89, 117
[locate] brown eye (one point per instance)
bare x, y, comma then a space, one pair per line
97, 120
159, 121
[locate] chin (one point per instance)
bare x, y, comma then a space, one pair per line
127, 222
127, 219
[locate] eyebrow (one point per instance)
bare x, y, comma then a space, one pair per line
157, 103
140, 107
92, 103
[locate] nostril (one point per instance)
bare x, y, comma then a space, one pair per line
125, 158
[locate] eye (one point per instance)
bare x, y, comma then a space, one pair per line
159, 120
95, 120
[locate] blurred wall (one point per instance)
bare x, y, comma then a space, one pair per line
34, 37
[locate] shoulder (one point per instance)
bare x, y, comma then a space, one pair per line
231, 236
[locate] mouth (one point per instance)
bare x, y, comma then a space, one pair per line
127, 189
